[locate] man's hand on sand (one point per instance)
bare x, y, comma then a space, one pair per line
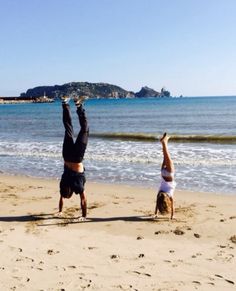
82, 218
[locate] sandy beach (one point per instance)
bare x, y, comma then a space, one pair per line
120, 247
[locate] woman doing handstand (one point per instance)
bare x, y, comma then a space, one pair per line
164, 201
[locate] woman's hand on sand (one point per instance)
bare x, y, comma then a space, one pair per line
58, 214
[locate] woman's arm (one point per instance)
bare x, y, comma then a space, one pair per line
156, 208
172, 207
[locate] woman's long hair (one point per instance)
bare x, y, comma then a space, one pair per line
163, 203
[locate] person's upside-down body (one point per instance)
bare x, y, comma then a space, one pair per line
164, 201
73, 178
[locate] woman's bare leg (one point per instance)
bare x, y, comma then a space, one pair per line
167, 164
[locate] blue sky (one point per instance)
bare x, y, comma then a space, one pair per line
188, 46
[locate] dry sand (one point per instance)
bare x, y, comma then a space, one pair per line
120, 247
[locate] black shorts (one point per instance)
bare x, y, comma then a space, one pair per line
74, 180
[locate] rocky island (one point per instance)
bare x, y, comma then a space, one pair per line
47, 94
93, 90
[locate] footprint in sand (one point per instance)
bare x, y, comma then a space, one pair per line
139, 273
140, 237
114, 257
161, 232
52, 252
96, 205
211, 283
71, 267
178, 231
92, 248
222, 246
197, 282
233, 239
227, 280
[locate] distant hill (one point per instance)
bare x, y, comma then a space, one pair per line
93, 90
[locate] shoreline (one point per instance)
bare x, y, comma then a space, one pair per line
120, 247
213, 194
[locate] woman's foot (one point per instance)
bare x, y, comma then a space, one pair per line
165, 138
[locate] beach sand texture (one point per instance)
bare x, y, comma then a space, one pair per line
120, 247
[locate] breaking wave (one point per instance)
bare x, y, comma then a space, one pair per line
144, 137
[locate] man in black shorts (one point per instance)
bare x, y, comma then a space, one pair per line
73, 178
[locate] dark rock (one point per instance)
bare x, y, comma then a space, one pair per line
147, 92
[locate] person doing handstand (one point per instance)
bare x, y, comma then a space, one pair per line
164, 201
73, 178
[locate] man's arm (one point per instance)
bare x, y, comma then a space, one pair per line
60, 204
83, 205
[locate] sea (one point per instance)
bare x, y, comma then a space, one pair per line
124, 142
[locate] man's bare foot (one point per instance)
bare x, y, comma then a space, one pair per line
65, 99
164, 138
79, 100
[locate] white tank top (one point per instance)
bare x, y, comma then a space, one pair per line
167, 187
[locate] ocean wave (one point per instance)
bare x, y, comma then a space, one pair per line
30, 154
128, 159
124, 159
115, 151
30, 149
145, 137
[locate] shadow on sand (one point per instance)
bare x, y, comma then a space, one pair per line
27, 218
72, 220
